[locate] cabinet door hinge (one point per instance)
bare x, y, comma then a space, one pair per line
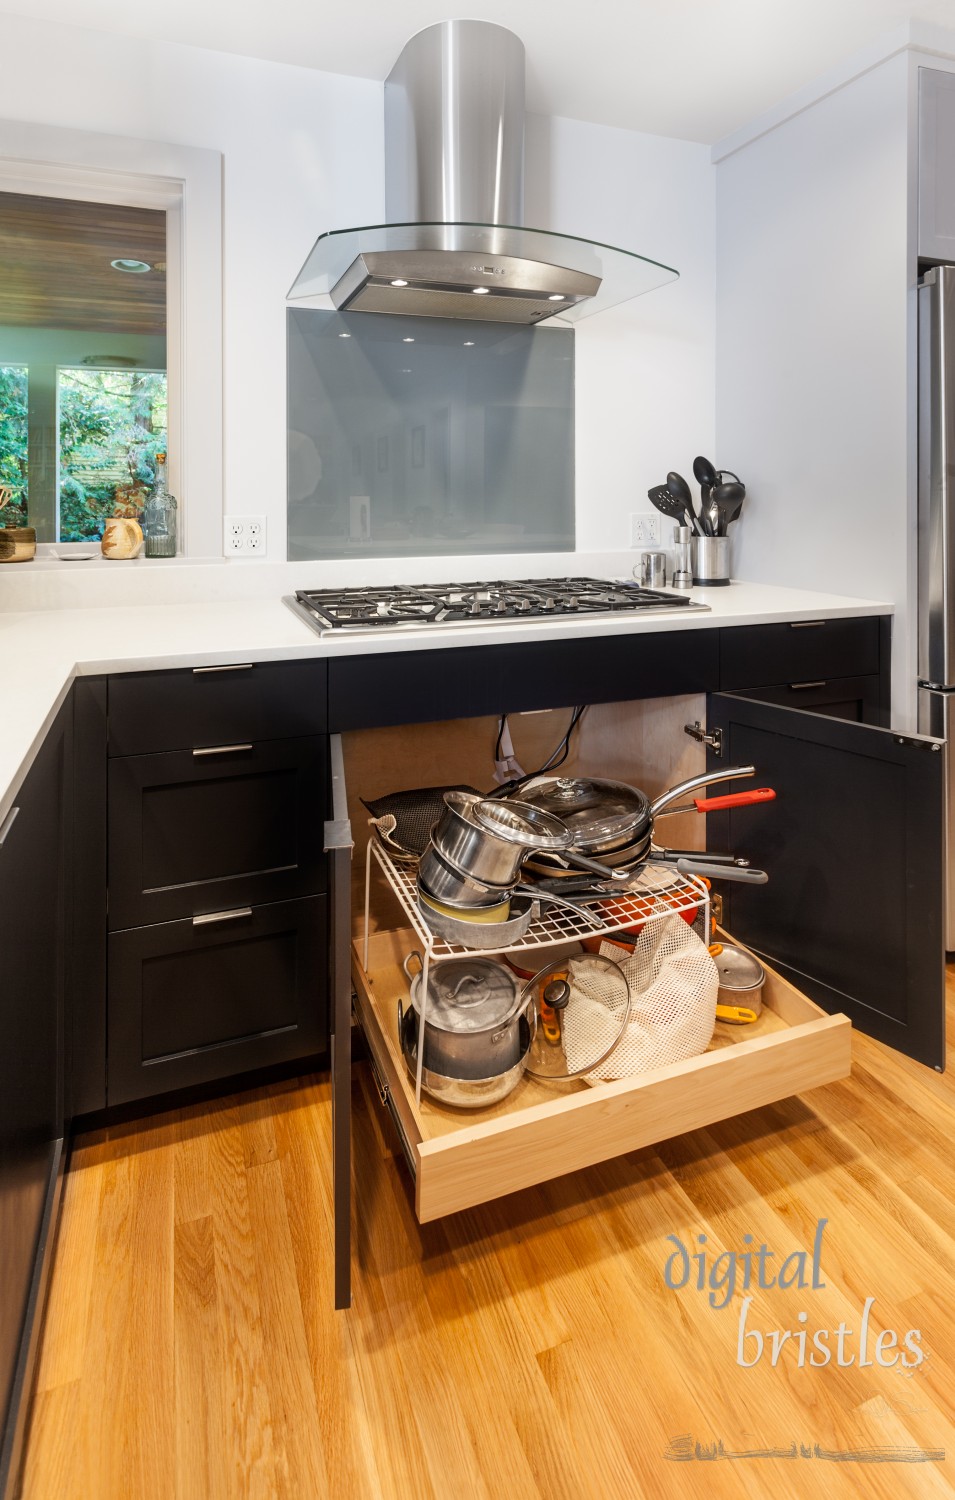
714, 740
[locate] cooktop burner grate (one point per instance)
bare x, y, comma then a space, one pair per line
407, 606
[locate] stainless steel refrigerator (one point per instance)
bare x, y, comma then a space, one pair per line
936, 540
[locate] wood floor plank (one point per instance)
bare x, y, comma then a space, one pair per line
529, 1348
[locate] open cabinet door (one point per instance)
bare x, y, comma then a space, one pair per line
338, 847
853, 846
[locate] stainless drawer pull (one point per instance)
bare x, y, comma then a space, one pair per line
794, 687
239, 666
222, 750
222, 916
806, 624
8, 823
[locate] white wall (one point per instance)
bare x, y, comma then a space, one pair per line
645, 371
303, 152
812, 365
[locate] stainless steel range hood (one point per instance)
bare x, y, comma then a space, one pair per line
454, 245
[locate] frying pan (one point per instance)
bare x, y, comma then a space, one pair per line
628, 846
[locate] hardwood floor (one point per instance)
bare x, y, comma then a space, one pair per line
528, 1349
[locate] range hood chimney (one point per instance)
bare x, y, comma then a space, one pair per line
454, 245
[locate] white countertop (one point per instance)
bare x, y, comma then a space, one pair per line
43, 649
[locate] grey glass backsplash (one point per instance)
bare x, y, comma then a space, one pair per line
426, 436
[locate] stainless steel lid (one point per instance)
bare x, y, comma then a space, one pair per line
738, 969
468, 994
592, 809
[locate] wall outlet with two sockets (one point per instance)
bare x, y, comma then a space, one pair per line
244, 536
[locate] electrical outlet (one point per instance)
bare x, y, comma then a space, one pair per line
244, 536
645, 528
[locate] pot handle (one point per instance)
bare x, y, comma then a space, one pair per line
675, 792
407, 960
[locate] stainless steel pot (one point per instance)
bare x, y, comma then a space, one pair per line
441, 880
462, 1093
471, 1026
471, 850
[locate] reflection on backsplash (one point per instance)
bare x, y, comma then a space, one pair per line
427, 437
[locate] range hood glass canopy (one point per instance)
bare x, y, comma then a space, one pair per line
435, 269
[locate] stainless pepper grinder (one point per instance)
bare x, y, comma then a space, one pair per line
682, 564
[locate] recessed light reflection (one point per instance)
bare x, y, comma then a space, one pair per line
344, 335
407, 341
398, 282
469, 343
406, 370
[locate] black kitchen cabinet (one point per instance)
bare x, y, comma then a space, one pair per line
193, 832
33, 918
859, 699
753, 656
854, 847
194, 1001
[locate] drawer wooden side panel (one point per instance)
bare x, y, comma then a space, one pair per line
460, 1171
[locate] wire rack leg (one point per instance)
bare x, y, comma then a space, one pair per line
368, 854
425, 967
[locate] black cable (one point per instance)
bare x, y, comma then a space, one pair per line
555, 759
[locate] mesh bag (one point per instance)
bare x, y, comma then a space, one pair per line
673, 985
404, 820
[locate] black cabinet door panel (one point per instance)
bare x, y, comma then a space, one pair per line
798, 651
181, 710
190, 1003
196, 834
853, 849
32, 929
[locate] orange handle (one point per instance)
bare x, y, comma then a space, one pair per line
735, 799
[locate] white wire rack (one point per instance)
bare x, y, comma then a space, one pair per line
661, 891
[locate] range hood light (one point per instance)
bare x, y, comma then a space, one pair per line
469, 343
344, 335
454, 202
407, 341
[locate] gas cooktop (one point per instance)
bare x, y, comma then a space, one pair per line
404, 606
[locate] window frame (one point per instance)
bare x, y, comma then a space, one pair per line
185, 181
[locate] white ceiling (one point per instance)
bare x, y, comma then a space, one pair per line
695, 69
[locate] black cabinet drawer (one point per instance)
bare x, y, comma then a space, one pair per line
854, 698
410, 687
192, 1003
215, 706
193, 833
800, 651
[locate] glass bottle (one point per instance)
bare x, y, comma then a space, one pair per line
159, 517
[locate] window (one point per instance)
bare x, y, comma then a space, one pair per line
111, 424
83, 355
14, 448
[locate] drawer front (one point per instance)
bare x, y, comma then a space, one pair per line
180, 710
798, 651
542, 1131
190, 1004
467, 682
854, 698
194, 833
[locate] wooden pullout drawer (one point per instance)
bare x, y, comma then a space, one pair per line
465, 1157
